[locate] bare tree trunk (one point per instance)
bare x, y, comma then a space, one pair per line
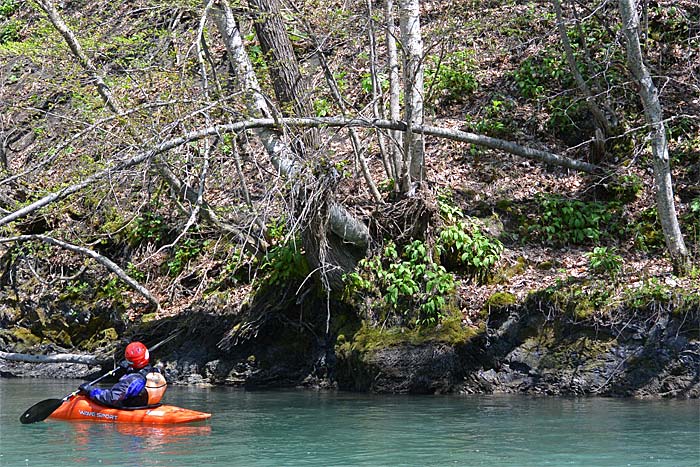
106, 262
356, 143
280, 154
268, 123
170, 178
396, 143
290, 86
377, 94
412, 41
652, 109
598, 115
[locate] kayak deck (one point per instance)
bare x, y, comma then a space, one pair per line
82, 408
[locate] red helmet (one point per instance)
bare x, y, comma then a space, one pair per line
137, 355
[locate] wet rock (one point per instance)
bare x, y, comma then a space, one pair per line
403, 369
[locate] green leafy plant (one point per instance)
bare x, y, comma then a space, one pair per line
627, 187
366, 82
386, 185
322, 107
494, 122
76, 289
695, 207
566, 114
283, 263
185, 252
464, 246
537, 73
451, 76
605, 261
148, 227
561, 221
9, 31
646, 230
8, 8
112, 289
449, 212
651, 291
134, 272
406, 285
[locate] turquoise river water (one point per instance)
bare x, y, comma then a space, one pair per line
308, 428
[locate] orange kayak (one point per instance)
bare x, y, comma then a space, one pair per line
82, 408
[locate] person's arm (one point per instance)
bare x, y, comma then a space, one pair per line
128, 386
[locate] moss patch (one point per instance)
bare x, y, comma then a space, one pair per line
370, 338
100, 340
24, 338
499, 300
571, 353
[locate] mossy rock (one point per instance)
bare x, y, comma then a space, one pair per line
371, 338
24, 338
148, 317
9, 315
500, 300
504, 275
576, 351
100, 340
60, 337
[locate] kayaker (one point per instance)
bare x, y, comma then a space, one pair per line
141, 386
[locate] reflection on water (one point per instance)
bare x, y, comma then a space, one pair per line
290, 428
163, 440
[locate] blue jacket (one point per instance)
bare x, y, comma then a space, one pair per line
129, 391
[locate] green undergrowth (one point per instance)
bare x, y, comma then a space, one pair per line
561, 221
603, 300
415, 284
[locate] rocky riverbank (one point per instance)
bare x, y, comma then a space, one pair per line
520, 350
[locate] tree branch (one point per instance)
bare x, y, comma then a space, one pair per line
447, 133
56, 358
106, 262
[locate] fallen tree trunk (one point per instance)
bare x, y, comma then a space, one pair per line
56, 358
447, 133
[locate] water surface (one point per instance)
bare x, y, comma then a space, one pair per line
306, 428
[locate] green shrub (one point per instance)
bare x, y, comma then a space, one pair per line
451, 76
461, 244
466, 247
322, 107
695, 207
627, 187
148, 227
185, 252
9, 31
649, 293
562, 221
646, 230
8, 8
495, 120
535, 74
407, 286
567, 115
283, 263
112, 289
605, 261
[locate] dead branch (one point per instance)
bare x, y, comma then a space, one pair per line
288, 166
106, 262
56, 358
105, 92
